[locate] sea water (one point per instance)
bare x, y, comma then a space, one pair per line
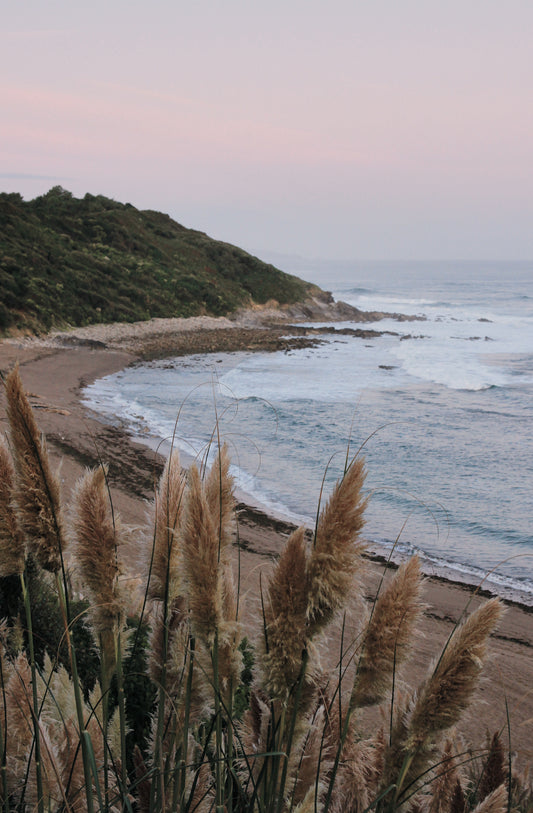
441, 408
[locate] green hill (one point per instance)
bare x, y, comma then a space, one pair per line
69, 261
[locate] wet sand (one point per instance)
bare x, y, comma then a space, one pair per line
54, 374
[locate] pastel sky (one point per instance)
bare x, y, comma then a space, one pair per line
384, 129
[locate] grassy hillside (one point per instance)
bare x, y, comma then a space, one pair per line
74, 261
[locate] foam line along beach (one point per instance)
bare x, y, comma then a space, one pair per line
442, 407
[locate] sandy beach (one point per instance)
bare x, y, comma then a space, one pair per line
55, 370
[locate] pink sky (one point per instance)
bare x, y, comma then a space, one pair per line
334, 130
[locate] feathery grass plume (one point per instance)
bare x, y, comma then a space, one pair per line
62, 772
448, 691
200, 791
16, 636
184, 700
219, 487
358, 774
18, 731
200, 548
142, 781
12, 552
220, 500
522, 790
219, 495
177, 663
389, 635
70, 764
357, 762
309, 761
50, 772
37, 492
97, 535
309, 803
168, 511
167, 629
285, 618
495, 802
255, 735
55, 687
441, 700
21, 763
336, 555
458, 800
443, 787
63, 732
312, 758
494, 769
207, 565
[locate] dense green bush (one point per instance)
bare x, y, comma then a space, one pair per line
68, 261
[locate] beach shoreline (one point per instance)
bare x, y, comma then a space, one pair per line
55, 369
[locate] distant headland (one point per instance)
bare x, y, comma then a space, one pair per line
69, 262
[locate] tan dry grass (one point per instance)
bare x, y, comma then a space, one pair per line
299, 745
38, 490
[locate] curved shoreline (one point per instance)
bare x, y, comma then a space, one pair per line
470, 578
54, 374
250, 330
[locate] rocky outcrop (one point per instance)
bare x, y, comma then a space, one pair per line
318, 308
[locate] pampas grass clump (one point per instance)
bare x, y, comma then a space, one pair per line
180, 724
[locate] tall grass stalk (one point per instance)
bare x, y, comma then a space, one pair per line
35, 700
3, 741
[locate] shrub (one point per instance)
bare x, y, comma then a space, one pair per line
6, 318
62, 259
186, 713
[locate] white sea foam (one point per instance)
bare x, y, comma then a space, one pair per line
459, 369
457, 341
337, 371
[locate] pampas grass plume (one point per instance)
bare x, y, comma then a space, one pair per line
285, 617
358, 774
495, 802
37, 493
494, 770
168, 512
206, 553
96, 532
336, 555
219, 495
389, 634
221, 502
440, 701
444, 786
12, 553
201, 551
255, 733
448, 691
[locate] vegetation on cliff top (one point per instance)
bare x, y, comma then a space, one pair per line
69, 261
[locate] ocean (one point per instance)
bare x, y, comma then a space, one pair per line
441, 408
